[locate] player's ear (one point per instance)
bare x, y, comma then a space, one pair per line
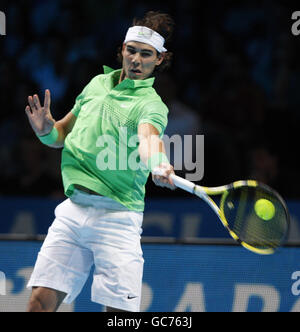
160, 58
123, 48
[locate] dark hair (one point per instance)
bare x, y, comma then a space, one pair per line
164, 25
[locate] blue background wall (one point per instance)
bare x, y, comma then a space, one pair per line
179, 278
163, 217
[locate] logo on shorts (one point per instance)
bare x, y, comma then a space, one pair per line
131, 297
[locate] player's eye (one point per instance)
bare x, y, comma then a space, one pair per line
131, 50
146, 54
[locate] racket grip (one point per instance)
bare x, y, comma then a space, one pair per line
183, 183
177, 180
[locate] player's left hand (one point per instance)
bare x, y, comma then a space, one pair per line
161, 176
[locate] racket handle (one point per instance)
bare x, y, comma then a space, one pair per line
183, 183
177, 180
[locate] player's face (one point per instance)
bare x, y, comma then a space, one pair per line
139, 60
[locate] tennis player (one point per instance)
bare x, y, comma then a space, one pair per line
100, 223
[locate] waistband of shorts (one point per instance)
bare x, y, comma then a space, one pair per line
97, 201
86, 190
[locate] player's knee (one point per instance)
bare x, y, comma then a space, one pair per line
35, 305
42, 301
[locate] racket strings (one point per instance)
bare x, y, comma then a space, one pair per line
247, 225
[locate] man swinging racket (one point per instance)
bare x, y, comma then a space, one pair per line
100, 222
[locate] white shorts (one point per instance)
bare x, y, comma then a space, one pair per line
87, 230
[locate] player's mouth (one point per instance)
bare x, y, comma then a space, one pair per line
136, 71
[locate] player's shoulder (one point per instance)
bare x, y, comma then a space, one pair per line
153, 96
97, 78
154, 103
149, 93
95, 83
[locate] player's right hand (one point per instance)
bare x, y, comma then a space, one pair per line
40, 118
161, 176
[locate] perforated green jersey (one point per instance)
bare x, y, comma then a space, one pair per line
101, 151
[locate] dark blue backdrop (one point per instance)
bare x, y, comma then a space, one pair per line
180, 278
163, 217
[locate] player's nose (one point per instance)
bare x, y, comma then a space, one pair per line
136, 59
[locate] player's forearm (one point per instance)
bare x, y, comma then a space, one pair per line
153, 155
55, 138
60, 130
149, 147
59, 143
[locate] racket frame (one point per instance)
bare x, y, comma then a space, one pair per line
204, 192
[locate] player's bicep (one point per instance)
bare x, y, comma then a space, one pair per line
147, 130
149, 141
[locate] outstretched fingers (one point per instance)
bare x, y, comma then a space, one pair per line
39, 116
47, 100
31, 104
28, 110
29, 114
34, 103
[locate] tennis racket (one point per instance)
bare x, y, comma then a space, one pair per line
254, 214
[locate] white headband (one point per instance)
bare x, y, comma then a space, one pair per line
147, 36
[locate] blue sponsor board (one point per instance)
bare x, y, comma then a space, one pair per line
180, 278
178, 218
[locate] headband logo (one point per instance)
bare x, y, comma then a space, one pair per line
145, 33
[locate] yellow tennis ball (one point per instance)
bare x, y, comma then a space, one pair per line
264, 209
